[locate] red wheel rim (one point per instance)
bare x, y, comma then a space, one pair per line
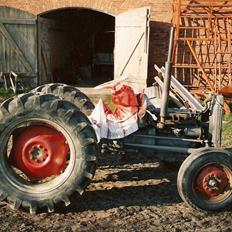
212, 182
39, 151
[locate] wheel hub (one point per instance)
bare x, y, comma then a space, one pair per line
212, 181
39, 152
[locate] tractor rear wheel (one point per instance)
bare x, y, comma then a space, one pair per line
205, 180
48, 151
68, 93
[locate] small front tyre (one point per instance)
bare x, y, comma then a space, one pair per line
205, 180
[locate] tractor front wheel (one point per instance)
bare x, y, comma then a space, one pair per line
205, 180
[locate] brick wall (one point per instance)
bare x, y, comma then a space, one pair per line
161, 14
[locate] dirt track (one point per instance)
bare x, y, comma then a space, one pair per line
138, 195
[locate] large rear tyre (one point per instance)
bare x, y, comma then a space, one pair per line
205, 180
68, 93
48, 151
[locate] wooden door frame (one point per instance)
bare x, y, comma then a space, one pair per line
11, 41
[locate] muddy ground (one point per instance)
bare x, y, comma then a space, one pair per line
136, 193
133, 194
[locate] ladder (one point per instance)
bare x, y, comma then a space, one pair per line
202, 48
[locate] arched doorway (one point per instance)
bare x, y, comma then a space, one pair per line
75, 46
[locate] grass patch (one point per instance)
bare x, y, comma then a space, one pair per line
4, 94
227, 131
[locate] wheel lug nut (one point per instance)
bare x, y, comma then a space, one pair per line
218, 179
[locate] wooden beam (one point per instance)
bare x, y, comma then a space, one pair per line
200, 67
18, 21
206, 5
205, 16
18, 52
230, 50
201, 39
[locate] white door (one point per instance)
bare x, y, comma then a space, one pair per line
131, 47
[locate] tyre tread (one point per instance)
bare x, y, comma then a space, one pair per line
49, 103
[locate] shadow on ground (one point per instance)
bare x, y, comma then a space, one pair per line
128, 184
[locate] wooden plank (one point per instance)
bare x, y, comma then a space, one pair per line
182, 91
177, 33
200, 67
230, 50
21, 56
201, 39
17, 50
193, 28
44, 51
206, 5
171, 93
183, 65
18, 21
205, 16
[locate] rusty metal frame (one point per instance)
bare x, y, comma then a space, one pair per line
203, 51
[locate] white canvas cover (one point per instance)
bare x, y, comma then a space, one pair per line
107, 126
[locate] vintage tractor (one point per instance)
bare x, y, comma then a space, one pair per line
49, 149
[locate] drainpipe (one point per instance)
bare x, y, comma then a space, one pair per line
167, 79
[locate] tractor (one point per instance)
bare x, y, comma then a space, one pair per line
49, 147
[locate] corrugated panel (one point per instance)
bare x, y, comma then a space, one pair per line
17, 41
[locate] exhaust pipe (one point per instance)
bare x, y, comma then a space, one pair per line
167, 79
